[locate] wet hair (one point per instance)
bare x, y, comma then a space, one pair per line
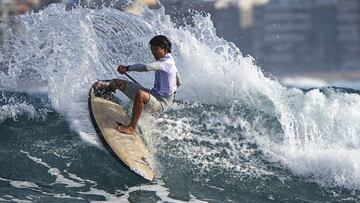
161, 41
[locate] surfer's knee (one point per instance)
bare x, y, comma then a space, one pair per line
142, 95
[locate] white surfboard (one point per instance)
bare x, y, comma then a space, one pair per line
130, 150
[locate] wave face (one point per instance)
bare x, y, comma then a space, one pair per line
238, 124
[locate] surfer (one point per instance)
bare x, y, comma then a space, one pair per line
161, 96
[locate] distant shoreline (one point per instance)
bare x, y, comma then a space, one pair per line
327, 76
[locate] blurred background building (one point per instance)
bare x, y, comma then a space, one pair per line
348, 18
296, 35
285, 36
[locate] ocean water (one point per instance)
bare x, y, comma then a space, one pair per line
239, 136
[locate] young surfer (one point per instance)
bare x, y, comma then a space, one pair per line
167, 80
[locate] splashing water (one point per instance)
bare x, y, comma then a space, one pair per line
238, 120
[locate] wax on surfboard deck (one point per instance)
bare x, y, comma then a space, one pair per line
130, 150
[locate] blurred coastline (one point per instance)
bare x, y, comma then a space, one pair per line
318, 38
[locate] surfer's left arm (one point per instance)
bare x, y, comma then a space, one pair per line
143, 67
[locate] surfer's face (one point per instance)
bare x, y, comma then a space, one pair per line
158, 52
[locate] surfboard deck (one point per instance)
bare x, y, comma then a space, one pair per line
130, 150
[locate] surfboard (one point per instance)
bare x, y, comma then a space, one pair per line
130, 150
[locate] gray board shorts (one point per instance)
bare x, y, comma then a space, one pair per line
156, 104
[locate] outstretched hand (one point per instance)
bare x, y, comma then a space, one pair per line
122, 69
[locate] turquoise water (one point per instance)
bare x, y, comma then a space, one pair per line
240, 137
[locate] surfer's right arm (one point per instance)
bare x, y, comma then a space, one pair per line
143, 67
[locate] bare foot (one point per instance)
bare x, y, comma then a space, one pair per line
126, 129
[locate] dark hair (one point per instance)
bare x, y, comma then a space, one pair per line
161, 41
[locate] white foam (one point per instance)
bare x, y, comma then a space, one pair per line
13, 111
56, 172
161, 192
321, 137
120, 195
23, 184
20, 200
4, 200
34, 187
20, 184
330, 167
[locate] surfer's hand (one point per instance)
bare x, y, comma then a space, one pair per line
122, 69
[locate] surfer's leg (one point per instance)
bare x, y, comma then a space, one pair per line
131, 89
154, 106
141, 98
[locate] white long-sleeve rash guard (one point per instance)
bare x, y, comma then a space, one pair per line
167, 77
